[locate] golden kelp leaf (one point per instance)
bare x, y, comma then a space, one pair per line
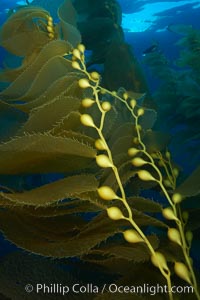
56, 88
95, 113
137, 96
121, 130
75, 135
74, 88
156, 141
50, 71
43, 153
70, 122
148, 119
46, 116
191, 186
121, 145
10, 74
122, 161
144, 204
67, 12
29, 231
139, 217
5, 202
5, 106
56, 67
127, 175
68, 17
94, 199
25, 79
52, 229
145, 220
55, 191
172, 251
136, 253
193, 221
110, 122
57, 209
136, 185
35, 235
10, 120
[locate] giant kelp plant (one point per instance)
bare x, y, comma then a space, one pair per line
95, 153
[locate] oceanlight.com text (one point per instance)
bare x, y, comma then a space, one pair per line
77, 288
149, 289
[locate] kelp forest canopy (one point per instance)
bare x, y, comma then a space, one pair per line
49, 178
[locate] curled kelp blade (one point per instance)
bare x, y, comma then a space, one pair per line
15, 34
32, 79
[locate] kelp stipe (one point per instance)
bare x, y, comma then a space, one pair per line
141, 158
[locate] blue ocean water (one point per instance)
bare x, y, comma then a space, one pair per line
145, 24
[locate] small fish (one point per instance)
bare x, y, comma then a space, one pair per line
152, 48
